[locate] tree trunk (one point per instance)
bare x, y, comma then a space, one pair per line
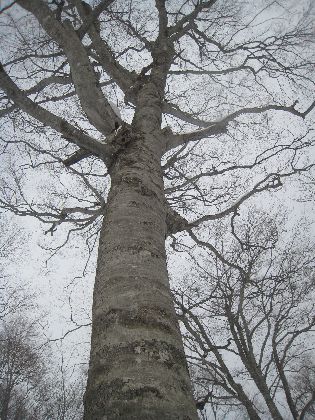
137, 367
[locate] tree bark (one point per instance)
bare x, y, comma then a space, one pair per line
137, 367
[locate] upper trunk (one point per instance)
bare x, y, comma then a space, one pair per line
138, 368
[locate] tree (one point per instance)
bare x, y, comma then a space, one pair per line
202, 88
32, 384
21, 367
62, 396
250, 332
304, 389
20, 363
13, 297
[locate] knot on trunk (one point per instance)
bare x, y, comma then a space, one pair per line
120, 138
118, 141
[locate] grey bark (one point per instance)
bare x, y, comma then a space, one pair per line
137, 368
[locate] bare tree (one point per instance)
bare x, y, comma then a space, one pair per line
250, 325
21, 365
64, 391
14, 296
34, 383
303, 388
159, 117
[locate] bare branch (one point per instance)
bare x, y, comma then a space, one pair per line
70, 132
220, 126
93, 102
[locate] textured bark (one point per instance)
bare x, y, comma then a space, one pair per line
137, 368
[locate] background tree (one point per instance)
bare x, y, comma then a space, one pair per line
35, 382
19, 361
13, 297
62, 395
21, 367
303, 388
202, 89
250, 324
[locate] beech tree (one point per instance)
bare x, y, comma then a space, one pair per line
138, 120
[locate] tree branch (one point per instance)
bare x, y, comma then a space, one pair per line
182, 26
220, 126
68, 131
92, 17
94, 103
123, 77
